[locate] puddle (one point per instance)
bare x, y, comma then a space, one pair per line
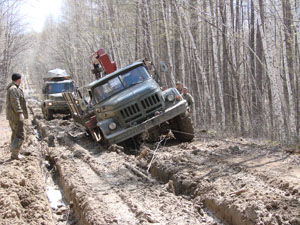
219, 222
55, 198
60, 209
53, 191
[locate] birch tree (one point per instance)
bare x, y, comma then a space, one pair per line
239, 58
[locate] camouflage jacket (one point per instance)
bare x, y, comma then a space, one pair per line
189, 99
180, 91
15, 102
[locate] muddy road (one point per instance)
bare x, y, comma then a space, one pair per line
65, 178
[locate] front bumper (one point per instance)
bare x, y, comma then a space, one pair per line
124, 134
56, 105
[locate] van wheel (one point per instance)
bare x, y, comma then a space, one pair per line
48, 114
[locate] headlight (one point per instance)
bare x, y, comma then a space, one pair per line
76, 102
112, 125
49, 103
170, 98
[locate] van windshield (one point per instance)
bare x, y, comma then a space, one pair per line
116, 84
54, 88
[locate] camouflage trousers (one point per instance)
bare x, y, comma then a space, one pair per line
17, 136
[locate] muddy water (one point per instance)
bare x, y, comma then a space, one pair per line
60, 208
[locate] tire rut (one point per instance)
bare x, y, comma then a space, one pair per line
103, 190
236, 193
225, 179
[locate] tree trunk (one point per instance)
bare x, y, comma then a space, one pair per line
226, 79
171, 80
290, 55
269, 46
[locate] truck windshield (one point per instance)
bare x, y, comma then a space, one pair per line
116, 84
135, 76
60, 87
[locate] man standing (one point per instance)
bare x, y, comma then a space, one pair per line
16, 112
189, 99
179, 87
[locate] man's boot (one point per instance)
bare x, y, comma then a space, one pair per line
15, 148
14, 154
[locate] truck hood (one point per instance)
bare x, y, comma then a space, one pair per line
56, 97
131, 94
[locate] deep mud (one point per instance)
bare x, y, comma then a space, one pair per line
209, 181
107, 186
240, 181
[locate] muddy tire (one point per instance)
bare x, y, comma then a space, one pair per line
183, 128
48, 114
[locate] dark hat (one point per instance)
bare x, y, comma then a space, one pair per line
16, 76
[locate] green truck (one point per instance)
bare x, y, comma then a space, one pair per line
55, 83
128, 103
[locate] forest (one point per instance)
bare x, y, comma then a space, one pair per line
238, 58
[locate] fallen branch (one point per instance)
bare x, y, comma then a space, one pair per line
239, 192
137, 172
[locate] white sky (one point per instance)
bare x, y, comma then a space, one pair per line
36, 11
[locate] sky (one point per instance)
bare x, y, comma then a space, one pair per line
36, 12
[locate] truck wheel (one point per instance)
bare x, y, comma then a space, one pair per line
48, 114
183, 128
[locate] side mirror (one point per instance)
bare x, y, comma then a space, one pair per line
44, 90
163, 67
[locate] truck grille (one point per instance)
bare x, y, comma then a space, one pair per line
136, 111
151, 103
60, 98
131, 112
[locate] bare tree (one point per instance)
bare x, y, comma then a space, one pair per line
238, 57
13, 41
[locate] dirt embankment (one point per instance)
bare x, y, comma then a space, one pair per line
208, 181
22, 184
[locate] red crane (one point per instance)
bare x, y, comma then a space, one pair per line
101, 58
